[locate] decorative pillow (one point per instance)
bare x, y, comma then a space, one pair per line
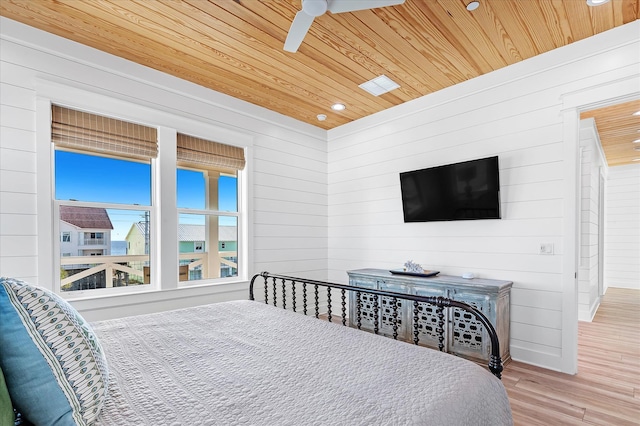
53, 364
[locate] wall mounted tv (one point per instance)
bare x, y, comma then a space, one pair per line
460, 191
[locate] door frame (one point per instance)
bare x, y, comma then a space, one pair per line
573, 103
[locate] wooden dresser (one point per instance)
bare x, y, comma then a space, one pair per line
464, 336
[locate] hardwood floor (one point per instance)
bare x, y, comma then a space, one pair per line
606, 390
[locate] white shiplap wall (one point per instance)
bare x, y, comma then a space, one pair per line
588, 271
286, 174
515, 113
622, 230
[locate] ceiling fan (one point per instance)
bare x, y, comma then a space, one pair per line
312, 8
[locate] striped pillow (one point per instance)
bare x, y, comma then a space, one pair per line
54, 366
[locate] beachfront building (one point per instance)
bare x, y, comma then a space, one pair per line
84, 231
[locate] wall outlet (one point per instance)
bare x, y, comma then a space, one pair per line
546, 248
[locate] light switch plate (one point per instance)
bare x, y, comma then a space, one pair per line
546, 248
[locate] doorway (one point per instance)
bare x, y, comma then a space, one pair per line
573, 104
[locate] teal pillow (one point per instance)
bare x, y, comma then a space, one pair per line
54, 366
6, 409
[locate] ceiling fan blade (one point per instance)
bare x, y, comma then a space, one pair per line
339, 6
299, 27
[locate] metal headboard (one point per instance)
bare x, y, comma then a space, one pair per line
274, 295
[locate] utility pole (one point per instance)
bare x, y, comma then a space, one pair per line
146, 232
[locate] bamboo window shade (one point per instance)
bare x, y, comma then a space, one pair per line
82, 130
203, 154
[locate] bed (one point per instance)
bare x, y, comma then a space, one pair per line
251, 363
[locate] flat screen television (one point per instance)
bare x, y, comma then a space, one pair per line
460, 191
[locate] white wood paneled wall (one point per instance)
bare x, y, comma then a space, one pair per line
622, 230
290, 209
515, 113
287, 171
18, 221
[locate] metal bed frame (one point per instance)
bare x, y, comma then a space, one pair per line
441, 303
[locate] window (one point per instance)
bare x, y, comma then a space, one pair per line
107, 195
103, 184
207, 196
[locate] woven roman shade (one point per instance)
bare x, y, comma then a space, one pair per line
207, 155
82, 130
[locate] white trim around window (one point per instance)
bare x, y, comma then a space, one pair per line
165, 250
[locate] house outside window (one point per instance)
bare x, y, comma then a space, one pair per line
65, 237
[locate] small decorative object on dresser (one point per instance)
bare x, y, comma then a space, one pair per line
410, 266
414, 269
464, 336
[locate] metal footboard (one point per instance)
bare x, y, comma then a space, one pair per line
282, 290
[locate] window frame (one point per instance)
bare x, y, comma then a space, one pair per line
163, 187
57, 261
210, 212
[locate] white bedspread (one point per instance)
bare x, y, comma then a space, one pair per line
246, 363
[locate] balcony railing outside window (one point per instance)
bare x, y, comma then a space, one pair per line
94, 241
91, 272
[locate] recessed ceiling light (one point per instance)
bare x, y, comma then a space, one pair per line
321, 117
338, 107
473, 5
379, 85
596, 2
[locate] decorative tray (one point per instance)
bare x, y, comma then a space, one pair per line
415, 274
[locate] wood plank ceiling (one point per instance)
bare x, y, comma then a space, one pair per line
236, 46
619, 130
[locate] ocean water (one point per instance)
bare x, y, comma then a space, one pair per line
118, 248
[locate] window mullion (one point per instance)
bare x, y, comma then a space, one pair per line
165, 227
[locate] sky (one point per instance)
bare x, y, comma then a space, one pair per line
84, 177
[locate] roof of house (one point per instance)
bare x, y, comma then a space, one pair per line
86, 217
197, 233
228, 233
188, 232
